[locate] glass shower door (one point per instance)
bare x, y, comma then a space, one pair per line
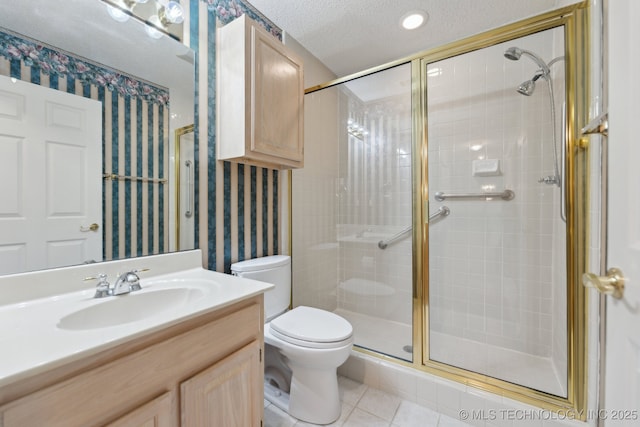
368, 208
497, 265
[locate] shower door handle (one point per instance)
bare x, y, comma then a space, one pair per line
611, 284
599, 125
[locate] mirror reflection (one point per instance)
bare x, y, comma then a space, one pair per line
87, 110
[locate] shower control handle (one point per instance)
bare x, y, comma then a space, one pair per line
612, 284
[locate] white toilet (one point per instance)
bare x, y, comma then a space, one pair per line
303, 346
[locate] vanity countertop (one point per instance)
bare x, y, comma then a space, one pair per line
33, 338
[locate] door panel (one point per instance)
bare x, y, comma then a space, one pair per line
622, 380
50, 177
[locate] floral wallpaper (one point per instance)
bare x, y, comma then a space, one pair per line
57, 63
228, 10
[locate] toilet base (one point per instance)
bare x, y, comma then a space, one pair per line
276, 396
320, 403
314, 396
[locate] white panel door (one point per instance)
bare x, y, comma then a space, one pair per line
50, 178
622, 381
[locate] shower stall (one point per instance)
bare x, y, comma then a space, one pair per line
437, 213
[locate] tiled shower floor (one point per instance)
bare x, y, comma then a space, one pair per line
364, 406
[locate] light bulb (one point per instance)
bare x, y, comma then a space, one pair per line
117, 14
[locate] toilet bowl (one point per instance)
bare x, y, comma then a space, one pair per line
303, 347
314, 342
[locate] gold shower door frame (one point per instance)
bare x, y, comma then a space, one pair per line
574, 19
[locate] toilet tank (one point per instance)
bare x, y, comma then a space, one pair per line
275, 269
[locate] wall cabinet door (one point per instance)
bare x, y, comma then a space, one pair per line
260, 98
277, 105
160, 412
228, 394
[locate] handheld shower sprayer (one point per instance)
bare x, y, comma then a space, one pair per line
526, 88
515, 53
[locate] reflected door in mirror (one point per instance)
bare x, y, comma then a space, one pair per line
50, 178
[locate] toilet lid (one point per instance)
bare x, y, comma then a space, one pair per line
312, 324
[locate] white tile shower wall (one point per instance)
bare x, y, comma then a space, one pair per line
491, 263
375, 204
314, 213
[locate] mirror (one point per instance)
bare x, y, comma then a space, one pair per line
148, 94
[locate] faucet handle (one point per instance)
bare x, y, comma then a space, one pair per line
134, 282
132, 279
102, 288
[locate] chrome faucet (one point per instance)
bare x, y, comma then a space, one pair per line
125, 283
102, 289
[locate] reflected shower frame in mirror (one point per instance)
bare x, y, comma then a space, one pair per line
573, 22
146, 95
184, 188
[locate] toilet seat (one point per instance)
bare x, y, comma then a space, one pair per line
312, 327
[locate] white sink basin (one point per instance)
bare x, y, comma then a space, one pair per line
50, 318
129, 308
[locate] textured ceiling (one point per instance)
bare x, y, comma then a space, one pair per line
349, 36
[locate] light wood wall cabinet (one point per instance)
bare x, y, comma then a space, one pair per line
206, 371
260, 97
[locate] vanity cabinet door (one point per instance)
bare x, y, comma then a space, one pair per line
160, 412
228, 394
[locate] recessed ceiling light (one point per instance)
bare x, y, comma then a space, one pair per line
413, 20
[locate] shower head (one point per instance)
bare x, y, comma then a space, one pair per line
527, 88
515, 53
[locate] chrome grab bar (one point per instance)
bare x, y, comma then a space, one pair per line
189, 212
442, 211
382, 244
115, 177
505, 195
563, 166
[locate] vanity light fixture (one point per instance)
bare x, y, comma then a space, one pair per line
171, 13
117, 13
157, 15
152, 30
414, 19
356, 130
